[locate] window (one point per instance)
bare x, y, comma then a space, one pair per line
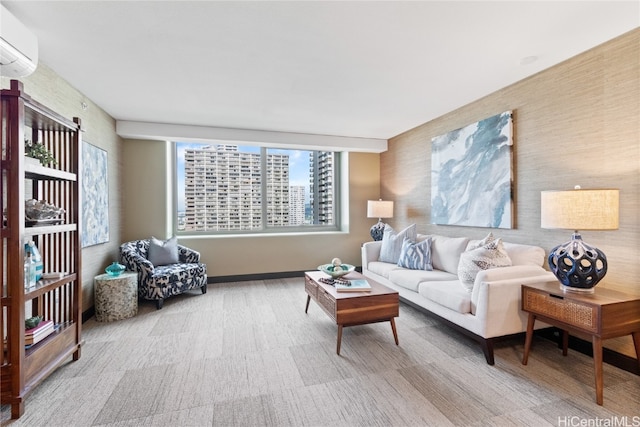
223, 188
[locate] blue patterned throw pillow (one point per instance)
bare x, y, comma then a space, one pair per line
416, 256
392, 242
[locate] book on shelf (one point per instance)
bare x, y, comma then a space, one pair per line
43, 325
30, 343
356, 285
53, 275
40, 332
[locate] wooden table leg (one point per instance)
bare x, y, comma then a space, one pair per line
528, 338
307, 307
339, 340
565, 342
597, 363
636, 344
393, 328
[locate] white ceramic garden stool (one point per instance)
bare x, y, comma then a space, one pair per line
116, 297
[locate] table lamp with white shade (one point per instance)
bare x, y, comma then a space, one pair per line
577, 265
379, 209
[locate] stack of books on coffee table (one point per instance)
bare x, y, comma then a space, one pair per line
355, 285
35, 335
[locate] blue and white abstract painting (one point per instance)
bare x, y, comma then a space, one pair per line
472, 174
95, 196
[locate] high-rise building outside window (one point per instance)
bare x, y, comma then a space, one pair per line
296, 204
223, 188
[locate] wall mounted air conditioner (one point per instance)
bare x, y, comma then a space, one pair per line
18, 47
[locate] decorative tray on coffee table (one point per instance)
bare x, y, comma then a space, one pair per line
336, 271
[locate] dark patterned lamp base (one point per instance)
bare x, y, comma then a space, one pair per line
577, 265
377, 230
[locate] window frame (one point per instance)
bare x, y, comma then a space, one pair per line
337, 212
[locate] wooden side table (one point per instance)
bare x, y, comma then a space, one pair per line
595, 317
116, 297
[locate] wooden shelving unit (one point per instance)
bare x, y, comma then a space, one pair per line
60, 299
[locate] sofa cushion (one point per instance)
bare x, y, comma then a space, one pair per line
525, 254
392, 242
450, 294
416, 255
173, 279
410, 279
491, 254
382, 268
445, 252
163, 252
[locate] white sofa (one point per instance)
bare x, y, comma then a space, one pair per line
493, 307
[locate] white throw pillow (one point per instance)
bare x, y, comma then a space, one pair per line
490, 254
392, 242
416, 256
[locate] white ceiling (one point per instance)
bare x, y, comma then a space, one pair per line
359, 69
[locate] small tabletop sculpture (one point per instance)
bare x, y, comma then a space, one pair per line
115, 269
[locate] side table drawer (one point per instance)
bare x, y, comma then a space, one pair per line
574, 313
326, 302
311, 287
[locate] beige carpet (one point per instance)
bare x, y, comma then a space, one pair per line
246, 354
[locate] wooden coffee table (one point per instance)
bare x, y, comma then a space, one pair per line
381, 304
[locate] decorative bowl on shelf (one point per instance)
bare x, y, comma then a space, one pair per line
38, 210
336, 271
32, 322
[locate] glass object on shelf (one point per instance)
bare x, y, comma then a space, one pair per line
29, 272
25, 275
115, 269
31, 248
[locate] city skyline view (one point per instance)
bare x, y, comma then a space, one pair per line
298, 167
226, 187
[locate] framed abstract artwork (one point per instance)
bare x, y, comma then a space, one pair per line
95, 196
472, 174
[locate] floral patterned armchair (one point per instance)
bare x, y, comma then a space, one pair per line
162, 281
